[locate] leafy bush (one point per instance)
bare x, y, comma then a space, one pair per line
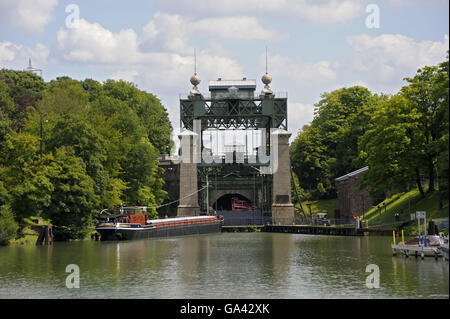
8, 225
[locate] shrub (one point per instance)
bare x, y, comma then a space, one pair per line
8, 225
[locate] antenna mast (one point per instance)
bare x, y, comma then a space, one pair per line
266, 58
195, 61
31, 69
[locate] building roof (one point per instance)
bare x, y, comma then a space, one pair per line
346, 176
225, 84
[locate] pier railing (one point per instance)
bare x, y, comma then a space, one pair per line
306, 221
260, 218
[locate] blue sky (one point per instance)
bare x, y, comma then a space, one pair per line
314, 46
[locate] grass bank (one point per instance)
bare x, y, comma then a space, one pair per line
404, 204
318, 206
383, 215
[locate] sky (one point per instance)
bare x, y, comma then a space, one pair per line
313, 46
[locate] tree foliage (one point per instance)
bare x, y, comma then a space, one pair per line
403, 138
100, 145
326, 149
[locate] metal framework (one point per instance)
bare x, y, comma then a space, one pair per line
234, 113
233, 105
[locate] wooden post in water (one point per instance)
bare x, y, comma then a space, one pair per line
45, 235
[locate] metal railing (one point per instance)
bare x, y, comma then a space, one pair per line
258, 218
306, 221
256, 96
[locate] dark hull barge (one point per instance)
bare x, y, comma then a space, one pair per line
154, 228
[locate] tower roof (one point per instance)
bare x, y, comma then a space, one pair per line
226, 84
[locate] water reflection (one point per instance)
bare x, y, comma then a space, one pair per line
228, 265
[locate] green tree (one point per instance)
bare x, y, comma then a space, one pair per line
327, 148
72, 130
7, 110
73, 200
8, 225
442, 125
153, 116
390, 146
426, 97
143, 176
100, 148
25, 88
26, 175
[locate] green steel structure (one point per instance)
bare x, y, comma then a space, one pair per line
233, 105
232, 112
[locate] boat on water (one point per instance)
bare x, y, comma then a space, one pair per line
416, 246
432, 241
133, 223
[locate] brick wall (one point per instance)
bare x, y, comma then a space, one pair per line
351, 199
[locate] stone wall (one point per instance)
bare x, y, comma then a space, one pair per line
351, 199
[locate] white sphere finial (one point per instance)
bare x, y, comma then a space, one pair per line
195, 79
266, 79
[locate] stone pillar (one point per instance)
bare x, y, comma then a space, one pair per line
282, 207
188, 205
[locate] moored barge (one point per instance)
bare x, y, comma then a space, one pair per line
135, 225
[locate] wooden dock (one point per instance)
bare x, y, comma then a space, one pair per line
416, 250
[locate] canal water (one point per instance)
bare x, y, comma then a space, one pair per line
225, 266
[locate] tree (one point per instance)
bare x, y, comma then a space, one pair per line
426, 97
326, 149
26, 174
143, 176
25, 88
7, 111
100, 148
391, 145
152, 115
442, 125
8, 226
72, 130
73, 200
307, 158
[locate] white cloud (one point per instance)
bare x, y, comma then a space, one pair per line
92, 43
15, 56
172, 33
299, 114
160, 70
30, 16
386, 59
299, 71
325, 11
